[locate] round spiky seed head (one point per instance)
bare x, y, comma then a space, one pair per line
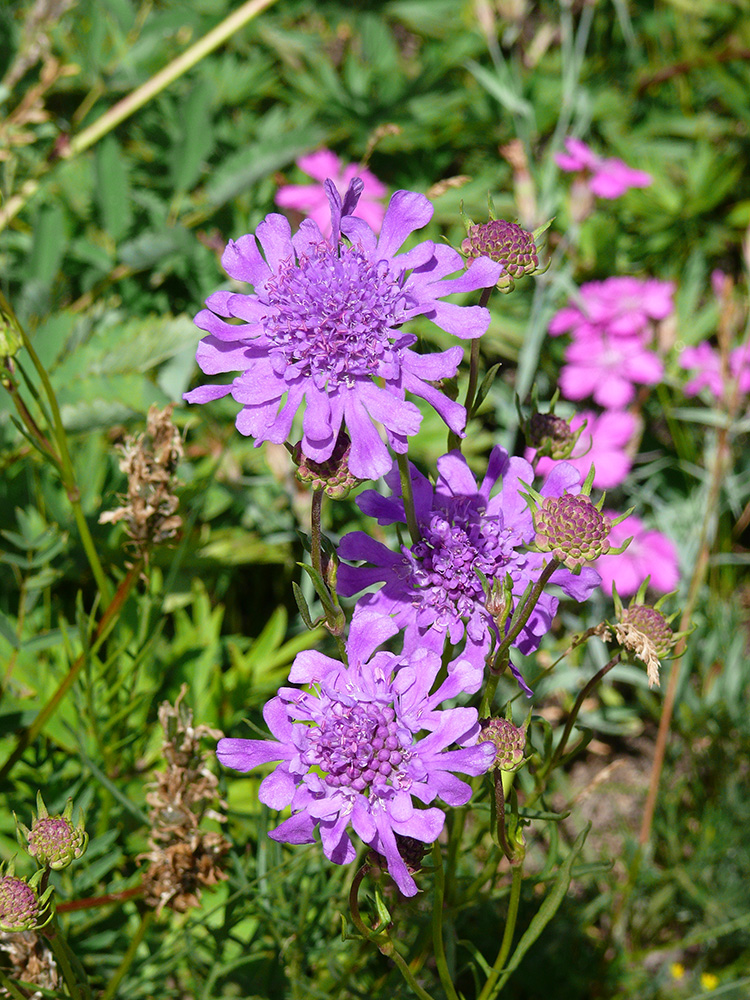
505, 242
572, 529
21, 906
551, 436
333, 475
652, 624
509, 741
55, 842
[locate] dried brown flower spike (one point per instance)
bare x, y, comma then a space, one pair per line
150, 461
183, 858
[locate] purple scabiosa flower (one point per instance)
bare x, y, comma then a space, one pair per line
311, 199
608, 178
323, 327
650, 553
432, 588
603, 443
350, 750
607, 368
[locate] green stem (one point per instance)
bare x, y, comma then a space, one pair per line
437, 924
408, 495
492, 987
127, 960
381, 939
525, 612
582, 696
79, 990
67, 474
316, 508
471, 388
141, 95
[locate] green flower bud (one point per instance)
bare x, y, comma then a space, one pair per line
53, 841
21, 906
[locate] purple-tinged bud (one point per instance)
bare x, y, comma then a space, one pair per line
572, 529
645, 631
333, 475
551, 436
505, 242
509, 742
21, 906
53, 841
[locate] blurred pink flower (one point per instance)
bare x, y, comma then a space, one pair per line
311, 199
602, 444
705, 361
607, 368
610, 178
622, 306
649, 554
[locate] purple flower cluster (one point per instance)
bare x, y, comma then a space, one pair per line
606, 178
367, 745
433, 589
353, 753
323, 328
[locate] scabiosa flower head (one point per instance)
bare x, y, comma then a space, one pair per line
650, 554
350, 750
602, 441
506, 242
571, 527
643, 630
509, 742
53, 841
323, 327
21, 906
608, 178
435, 588
549, 435
311, 199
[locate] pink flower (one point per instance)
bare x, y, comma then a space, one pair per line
602, 444
649, 554
622, 306
705, 361
607, 368
311, 199
609, 178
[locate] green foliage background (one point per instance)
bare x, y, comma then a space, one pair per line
106, 263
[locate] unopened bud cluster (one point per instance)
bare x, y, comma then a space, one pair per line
551, 436
53, 841
572, 529
505, 242
509, 742
22, 908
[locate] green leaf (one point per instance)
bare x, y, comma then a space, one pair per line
196, 140
113, 188
548, 908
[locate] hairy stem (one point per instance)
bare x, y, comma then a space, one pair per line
316, 509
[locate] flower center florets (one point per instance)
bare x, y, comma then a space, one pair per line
332, 317
445, 560
357, 746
